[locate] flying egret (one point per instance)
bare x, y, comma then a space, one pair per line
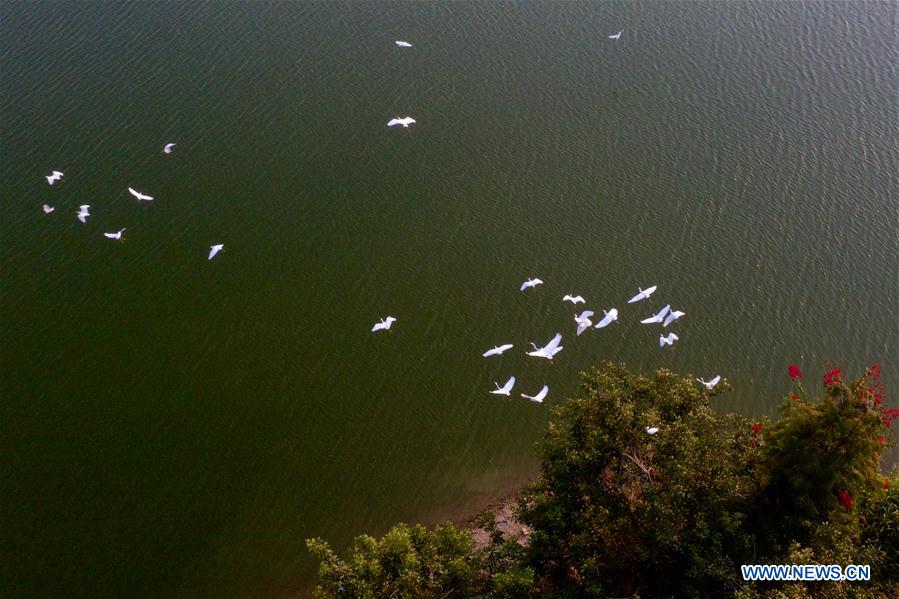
658, 317
549, 350
505, 389
583, 321
405, 121
651, 430
384, 325
48, 209
710, 384
574, 299
615, 36
610, 317
539, 397
117, 235
675, 314
168, 148
403, 44
54, 177
82, 213
215, 249
498, 350
139, 195
530, 283
669, 340
644, 293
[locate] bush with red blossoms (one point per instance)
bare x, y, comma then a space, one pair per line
833, 376
823, 454
889, 416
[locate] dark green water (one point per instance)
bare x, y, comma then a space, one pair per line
171, 426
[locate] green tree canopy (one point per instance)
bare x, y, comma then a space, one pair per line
621, 509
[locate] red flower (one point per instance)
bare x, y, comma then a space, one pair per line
794, 397
845, 499
877, 391
756, 428
889, 416
795, 373
873, 371
881, 440
886, 484
833, 376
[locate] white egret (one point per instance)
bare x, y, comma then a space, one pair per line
48, 209
505, 389
710, 384
615, 36
658, 317
549, 350
384, 325
168, 148
574, 299
610, 317
583, 321
83, 213
669, 340
651, 430
498, 350
403, 44
405, 121
675, 314
644, 293
539, 397
54, 177
139, 195
530, 283
117, 235
215, 249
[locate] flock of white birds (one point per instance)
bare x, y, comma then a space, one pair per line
84, 210
665, 316
583, 320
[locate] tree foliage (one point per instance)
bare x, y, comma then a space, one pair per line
413, 562
619, 512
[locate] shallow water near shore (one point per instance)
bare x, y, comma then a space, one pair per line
171, 426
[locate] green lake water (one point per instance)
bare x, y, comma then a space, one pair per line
171, 426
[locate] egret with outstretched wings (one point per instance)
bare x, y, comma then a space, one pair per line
405, 121
549, 350
583, 321
669, 340
675, 314
644, 293
505, 389
384, 325
539, 397
530, 283
139, 195
498, 350
215, 249
710, 384
610, 317
658, 317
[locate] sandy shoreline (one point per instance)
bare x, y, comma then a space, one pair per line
504, 513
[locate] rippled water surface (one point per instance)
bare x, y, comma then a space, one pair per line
172, 426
